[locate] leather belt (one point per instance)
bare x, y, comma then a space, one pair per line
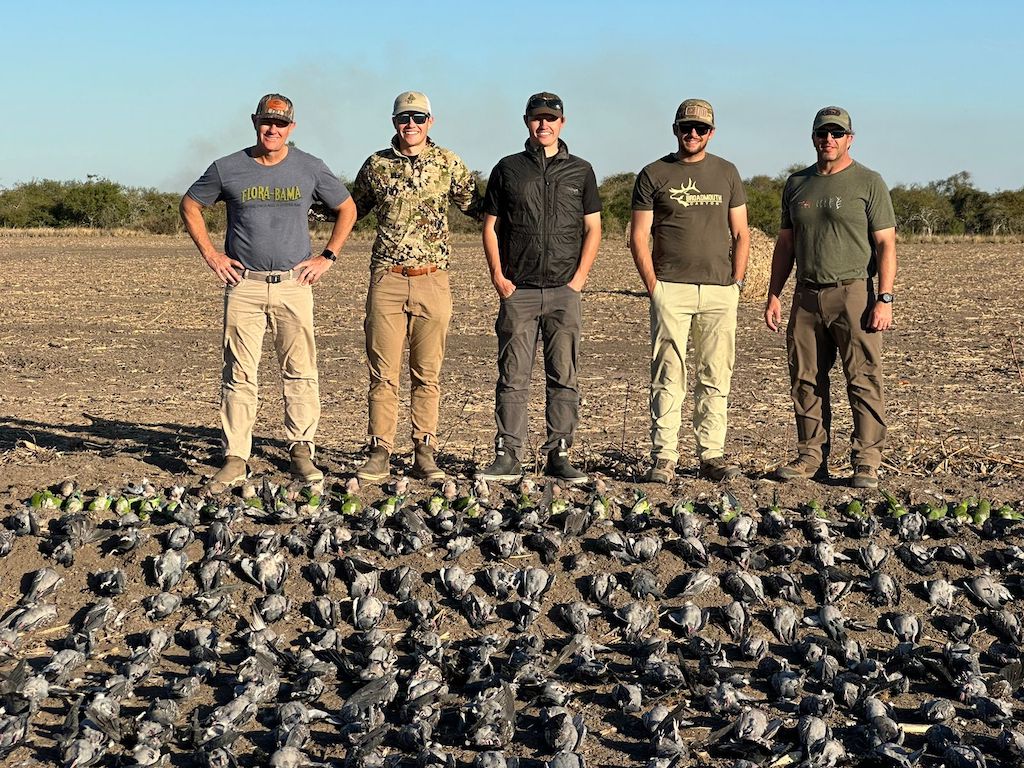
413, 271
819, 286
268, 277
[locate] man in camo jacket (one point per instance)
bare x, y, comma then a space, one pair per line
410, 186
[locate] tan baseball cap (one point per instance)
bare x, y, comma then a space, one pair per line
274, 106
833, 116
411, 101
696, 111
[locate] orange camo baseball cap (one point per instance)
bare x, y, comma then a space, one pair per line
274, 106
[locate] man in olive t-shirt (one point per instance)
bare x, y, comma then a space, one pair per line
838, 227
695, 205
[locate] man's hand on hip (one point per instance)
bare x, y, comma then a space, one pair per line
227, 269
310, 271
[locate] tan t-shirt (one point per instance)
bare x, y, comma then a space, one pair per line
691, 203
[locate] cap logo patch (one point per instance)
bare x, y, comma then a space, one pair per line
278, 105
830, 112
695, 110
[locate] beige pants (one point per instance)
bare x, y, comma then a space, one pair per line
709, 312
417, 309
286, 308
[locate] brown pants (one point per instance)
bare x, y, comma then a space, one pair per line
824, 322
250, 308
399, 308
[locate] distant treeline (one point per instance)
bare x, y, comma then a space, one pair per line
952, 206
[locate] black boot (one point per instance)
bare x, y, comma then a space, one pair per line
558, 466
505, 468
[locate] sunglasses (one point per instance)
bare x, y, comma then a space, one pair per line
545, 119
538, 102
411, 117
685, 128
835, 133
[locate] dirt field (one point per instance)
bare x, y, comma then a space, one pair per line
110, 369
109, 372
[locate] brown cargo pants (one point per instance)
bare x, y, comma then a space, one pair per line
398, 308
824, 322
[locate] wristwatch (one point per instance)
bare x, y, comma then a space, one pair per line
886, 298
329, 254
740, 283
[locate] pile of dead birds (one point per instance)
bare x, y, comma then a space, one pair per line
289, 626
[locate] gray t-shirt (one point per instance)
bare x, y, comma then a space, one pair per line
268, 205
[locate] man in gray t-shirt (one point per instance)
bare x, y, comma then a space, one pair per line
268, 272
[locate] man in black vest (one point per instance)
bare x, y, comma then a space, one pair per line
542, 229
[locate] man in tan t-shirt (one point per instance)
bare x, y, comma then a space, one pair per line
695, 205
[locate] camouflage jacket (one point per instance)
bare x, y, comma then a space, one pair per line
411, 196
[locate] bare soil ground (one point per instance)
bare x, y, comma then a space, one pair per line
110, 367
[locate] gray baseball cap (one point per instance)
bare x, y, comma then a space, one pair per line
833, 116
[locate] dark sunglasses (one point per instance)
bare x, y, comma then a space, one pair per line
538, 102
835, 133
685, 128
416, 117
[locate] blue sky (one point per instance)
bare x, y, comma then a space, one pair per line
148, 93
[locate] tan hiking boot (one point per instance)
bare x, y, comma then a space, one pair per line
302, 466
864, 477
803, 467
377, 466
719, 469
663, 471
232, 473
423, 465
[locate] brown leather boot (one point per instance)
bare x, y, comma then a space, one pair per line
232, 473
377, 466
302, 466
423, 465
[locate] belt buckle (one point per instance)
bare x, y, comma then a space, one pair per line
405, 271
273, 278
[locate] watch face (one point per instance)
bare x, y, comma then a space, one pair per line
885, 298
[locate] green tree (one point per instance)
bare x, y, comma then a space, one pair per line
921, 209
96, 203
616, 202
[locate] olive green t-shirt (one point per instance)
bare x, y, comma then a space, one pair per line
833, 218
691, 203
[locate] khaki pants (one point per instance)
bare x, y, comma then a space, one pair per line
399, 308
250, 308
824, 322
709, 311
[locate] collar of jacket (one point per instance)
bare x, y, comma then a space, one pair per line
537, 152
423, 152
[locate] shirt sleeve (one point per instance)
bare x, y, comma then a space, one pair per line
880, 211
643, 192
362, 191
786, 221
208, 188
329, 190
465, 193
739, 194
591, 197
493, 202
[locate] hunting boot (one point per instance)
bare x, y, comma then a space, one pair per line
663, 471
423, 464
803, 467
719, 469
864, 477
232, 473
302, 466
505, 468
377, 466
558, 466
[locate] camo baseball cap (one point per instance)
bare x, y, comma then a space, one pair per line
411, 101
274, 106
833, 116
544, 103
696, 111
